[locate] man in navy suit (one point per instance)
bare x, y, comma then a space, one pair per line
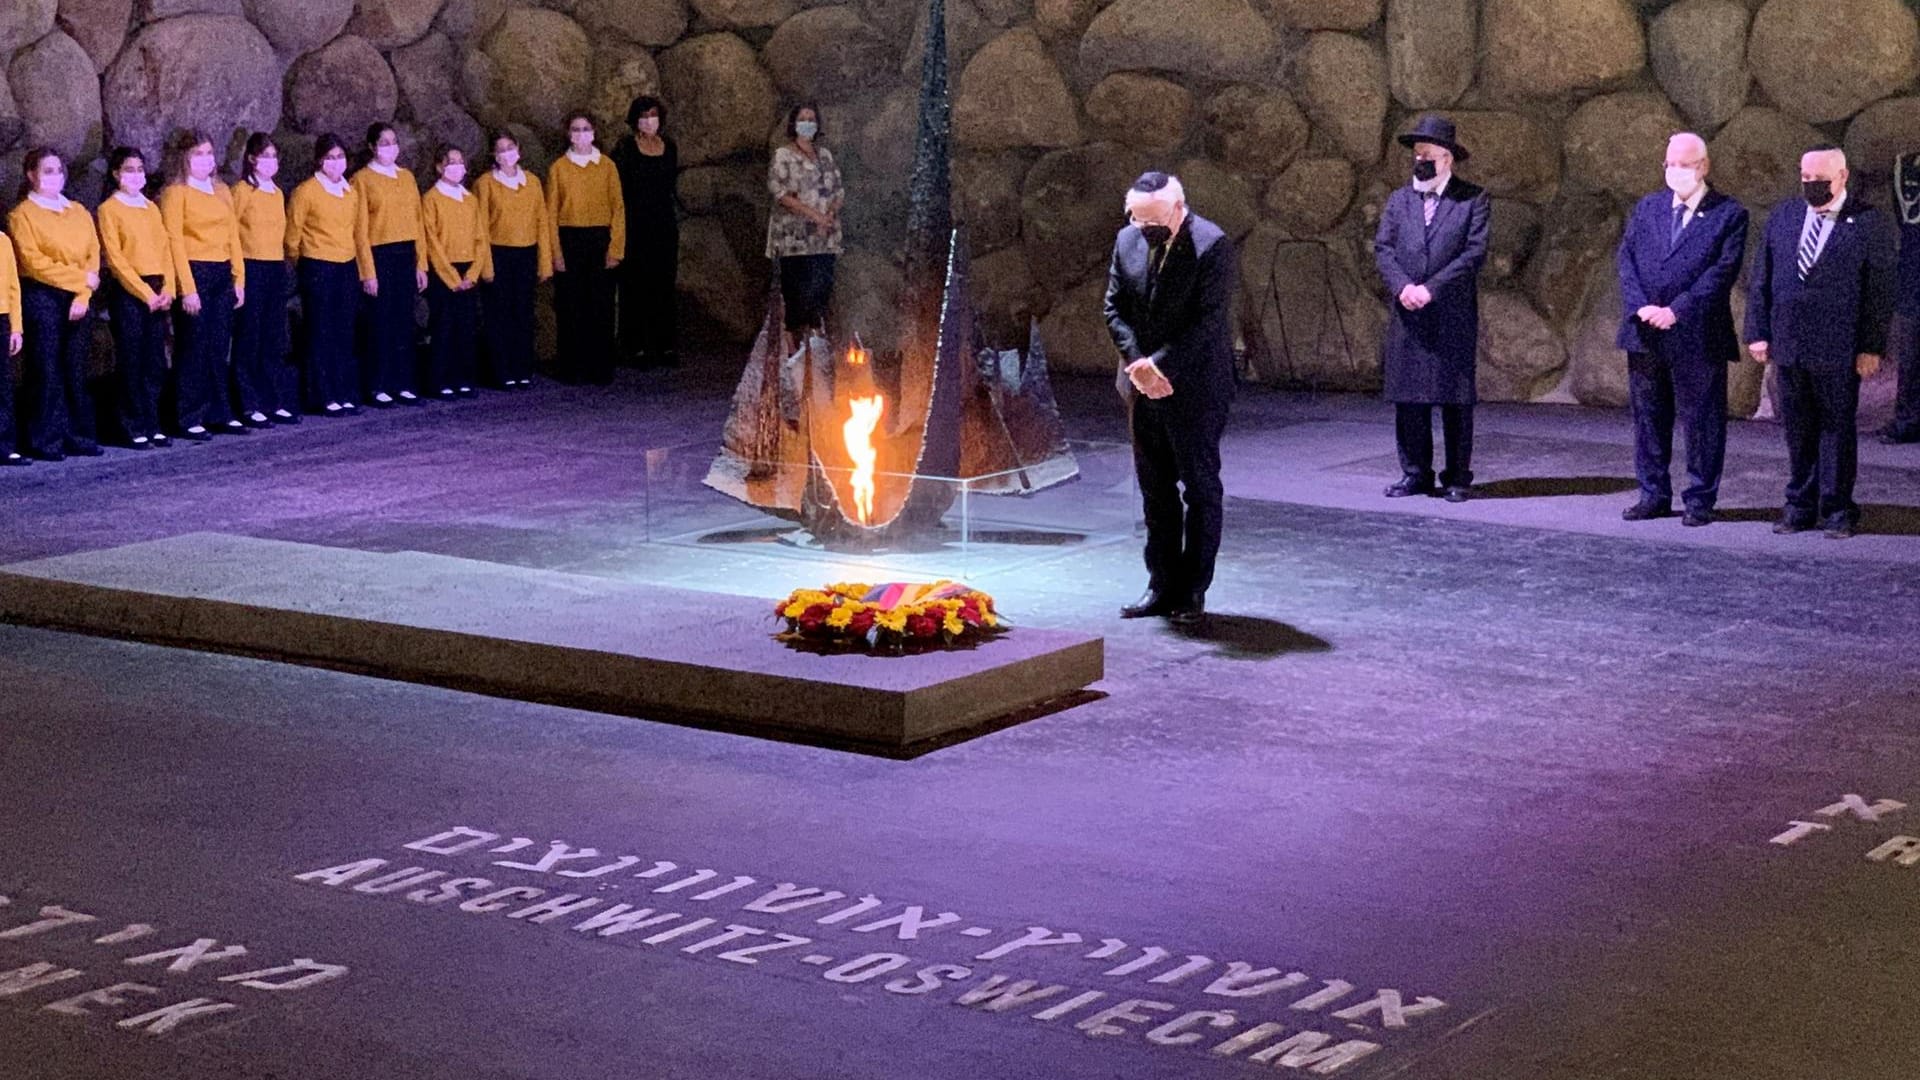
1431, 242
1678, 260
1818, 304
1169, 291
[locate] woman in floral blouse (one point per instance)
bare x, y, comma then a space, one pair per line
803, 232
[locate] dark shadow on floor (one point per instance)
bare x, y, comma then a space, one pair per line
1541, 487
1877, 519
1248, 637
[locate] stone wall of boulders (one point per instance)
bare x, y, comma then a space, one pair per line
1279, 114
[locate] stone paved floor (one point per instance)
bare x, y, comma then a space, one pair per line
1515, 756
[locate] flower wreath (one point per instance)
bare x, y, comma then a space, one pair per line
893, 615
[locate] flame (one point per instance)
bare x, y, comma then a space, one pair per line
859, 435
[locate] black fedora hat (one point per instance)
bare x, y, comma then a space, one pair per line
1437, 130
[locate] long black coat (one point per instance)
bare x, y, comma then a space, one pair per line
1185, 323
1430, 354
1693, 277
1842, 308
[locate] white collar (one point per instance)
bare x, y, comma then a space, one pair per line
136, 200
337, 189
391, 172
452, 191
511, 183
265, 185
592, 157
202, 186
1692, 202
58, 203
1435, 186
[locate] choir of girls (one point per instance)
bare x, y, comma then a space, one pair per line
195, 273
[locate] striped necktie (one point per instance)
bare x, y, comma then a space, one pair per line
1810, 240
1431, 201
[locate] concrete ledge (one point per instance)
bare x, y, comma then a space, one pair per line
636, 650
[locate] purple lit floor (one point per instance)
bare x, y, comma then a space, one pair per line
1516, 756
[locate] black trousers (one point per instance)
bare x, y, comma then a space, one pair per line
139, 358
648, 279
806, 287
583, 305
262, 378
1176, 458
9, 433
328, 298
508, 302
1903, 352
59, 411
453, 321
203, 351
1819, 411
1696, 392
1413, 434
390, 357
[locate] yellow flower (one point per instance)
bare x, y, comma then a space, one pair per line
794, 609
839, 617
953, 625
895, 621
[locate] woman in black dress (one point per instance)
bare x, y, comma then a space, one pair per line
648, 165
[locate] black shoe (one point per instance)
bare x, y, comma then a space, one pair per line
1411, 486
349, 410
15, 461
1696, 516
1150, 605
232, 427
1893, 436
1646, 511
47, 455
1458, 493
1190, 614
255, 425
203, 435
1841, 530
285, 416
159, 439
1787, 526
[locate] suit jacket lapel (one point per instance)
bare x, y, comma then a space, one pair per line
1703, 220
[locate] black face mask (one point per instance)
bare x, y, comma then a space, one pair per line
1425, 170
1818, 192
1156, 235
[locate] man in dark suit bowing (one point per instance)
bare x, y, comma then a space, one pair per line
1819, 299
1678, 260
1169, 290
1431, 242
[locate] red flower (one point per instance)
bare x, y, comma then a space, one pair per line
862, 622
925, 626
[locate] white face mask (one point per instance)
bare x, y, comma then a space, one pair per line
506, 159
582, 141
200, 165
133, 181
455, 172
806, 129
266, 168
333, 168
387, 155
52, 184
1683, 181
649, 125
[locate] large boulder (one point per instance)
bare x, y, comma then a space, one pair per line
100, 26
716, 292
163, 81
1208, 39
1140, 110
427, 75
1756, 157
1513, 231
1220, 196
542, 62
57, 93
621, 72
986, 198
1308, 313
389, 24
1255, 129
155, 10
1311, 196
1548, 48
1882, 132
722, 97
1512, 155
341, 88
723, 189
1005, 296
23, 22
1699, 54
657, 22
741, 14
1823, 60
885, 140
1074, 332
1072, 204
1617, 143
1011, 95
1520, 357
1596, 369
828, 53
1326, 14
1432, 49
1577, 233
1343, 81
1062, 20
299, 26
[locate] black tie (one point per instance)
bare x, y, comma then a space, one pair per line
1679, 222
1155, 258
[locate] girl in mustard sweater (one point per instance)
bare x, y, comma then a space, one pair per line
205, 237
590, 225
59, 269
327, 233
139, 294
10, 334
455, 255
261, 375
392, 199
513, 209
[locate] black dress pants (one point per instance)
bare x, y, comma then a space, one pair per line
329, 293
806, 287
139, 358
1413, 434
203, 351
508, 300
1696, 392
583, 306
260, 372
453, 323
390, 330
1176, 458
648, 279
1903, 352
59, 410
1819, 411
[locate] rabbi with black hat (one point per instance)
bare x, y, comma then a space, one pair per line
1431, 242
